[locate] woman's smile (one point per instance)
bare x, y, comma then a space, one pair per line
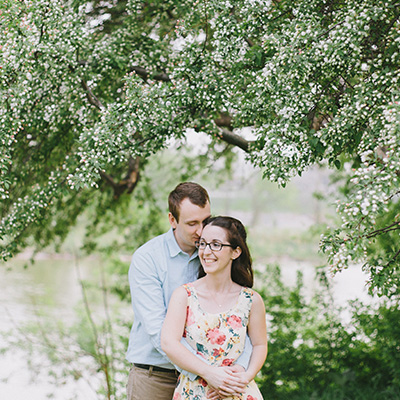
208, 260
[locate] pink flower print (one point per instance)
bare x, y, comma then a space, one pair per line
234, 321
189, 316
177, 396
215, 336
227, 362
217, 352
249, 398
201, 354
202, 382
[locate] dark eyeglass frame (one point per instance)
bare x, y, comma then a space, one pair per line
214, 246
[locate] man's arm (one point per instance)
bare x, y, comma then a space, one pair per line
244, 358
240, 366
149, 303
190, 375
147, 296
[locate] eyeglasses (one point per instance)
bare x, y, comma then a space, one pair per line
214, 246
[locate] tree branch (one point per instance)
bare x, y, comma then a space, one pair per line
142, 72
91, 97
235, 140
132, 177
392, 227
130, 181
224, 120
395, 256
330, 29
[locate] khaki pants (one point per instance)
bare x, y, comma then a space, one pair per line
150, 385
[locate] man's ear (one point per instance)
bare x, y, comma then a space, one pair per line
172, 220
236, 253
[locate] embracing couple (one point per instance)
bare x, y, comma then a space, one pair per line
194, 309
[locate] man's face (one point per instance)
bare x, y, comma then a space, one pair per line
188, 230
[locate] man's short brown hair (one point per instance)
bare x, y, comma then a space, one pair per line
187, 190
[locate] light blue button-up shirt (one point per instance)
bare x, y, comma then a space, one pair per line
157, 269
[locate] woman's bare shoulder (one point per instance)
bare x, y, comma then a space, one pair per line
257, 299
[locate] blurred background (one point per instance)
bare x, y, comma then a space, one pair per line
50, 299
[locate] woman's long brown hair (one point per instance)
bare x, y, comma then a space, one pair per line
241, 272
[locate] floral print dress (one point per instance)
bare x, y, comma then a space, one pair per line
219, 338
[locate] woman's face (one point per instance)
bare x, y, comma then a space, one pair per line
214, 261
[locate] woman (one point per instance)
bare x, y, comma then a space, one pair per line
214, 314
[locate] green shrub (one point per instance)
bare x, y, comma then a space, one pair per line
313, 354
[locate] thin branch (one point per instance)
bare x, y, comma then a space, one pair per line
394, 257
43, 334
280, 15
249, 42
384, 230
346, 81
330, 29
393, 195
390, 261
87, 308
142, 72
91, 97
206, 27
17, 327
108, 368
206, 38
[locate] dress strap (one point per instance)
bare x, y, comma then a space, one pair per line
189, 289
245, 302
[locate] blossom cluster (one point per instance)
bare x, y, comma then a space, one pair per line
26, 211
374, 188
316, 81
315, 84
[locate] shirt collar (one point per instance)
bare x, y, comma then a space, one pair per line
173, 246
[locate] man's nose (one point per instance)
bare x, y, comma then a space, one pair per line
198, 230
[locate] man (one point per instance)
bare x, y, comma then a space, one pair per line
157, 269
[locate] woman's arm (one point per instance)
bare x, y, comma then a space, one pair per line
257, 330
174, 324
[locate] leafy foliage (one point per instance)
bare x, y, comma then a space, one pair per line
313, 354
91, 90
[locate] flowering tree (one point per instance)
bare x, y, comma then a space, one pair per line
91, 89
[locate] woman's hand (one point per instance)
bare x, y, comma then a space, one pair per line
224, 382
